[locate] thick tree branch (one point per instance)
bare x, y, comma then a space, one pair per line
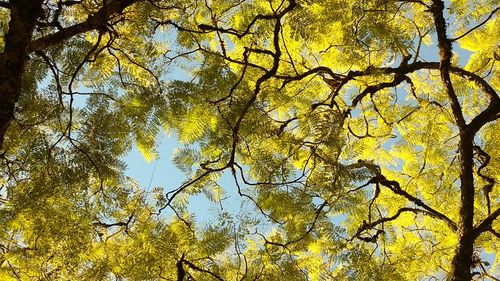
180, 269
485, 225
494, 232
197, 268
480, 82
491, 113
462, 260
445, 54
372, 89
93, 22
396, 188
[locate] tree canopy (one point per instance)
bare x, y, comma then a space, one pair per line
361, 137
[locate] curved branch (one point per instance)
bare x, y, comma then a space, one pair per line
232, 31
484, 159
396, 188
477, 26
371, 225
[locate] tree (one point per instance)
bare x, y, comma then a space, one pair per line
78, 82
365, 150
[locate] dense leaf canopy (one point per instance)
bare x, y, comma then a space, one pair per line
361, 138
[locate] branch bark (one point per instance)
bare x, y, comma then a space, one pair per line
93, 22
462, 261
485, 225
23, 17
19, 44
396, 188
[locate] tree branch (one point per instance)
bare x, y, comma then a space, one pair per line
197, 268
462, 260
371, 225
477, 26
485, 225
396, 188
93, 22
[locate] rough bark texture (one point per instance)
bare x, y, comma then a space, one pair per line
462, 260
18, 45
24, 14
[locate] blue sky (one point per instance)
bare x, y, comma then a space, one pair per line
162, 172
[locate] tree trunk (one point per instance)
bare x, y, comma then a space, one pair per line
462, 261
23, 16
18, 45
